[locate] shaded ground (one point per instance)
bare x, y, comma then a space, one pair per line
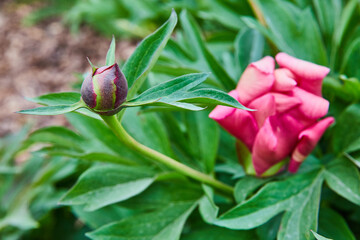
40, 59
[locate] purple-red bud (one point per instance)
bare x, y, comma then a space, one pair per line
105, 90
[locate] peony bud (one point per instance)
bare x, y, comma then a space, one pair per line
105, 90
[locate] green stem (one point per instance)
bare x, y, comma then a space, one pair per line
130, 142
257, 12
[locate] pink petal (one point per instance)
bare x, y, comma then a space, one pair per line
285, 102
240, 124
310, 74
293, 166
275, 141
284, 80
102, 69
312, 107
220, 112
257, 79
271, 103
307, 142
264, 106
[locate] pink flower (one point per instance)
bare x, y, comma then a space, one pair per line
288, 106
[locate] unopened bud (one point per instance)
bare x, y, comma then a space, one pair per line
105, 90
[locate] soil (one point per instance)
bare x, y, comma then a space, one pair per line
40, 59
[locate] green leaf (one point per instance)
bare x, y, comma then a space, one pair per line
245, 158
256, 25
228, 154
13, 144
343, 177
230, 65
19, 217
193, 33
295, 30
226, 12
234, 169
22, 199
99, 144
202, 139
207, 208
181, 53
297, 195
302, 3
102, 157
346, 89
269, 230
102, 216
174, 107
145, 55
181, 105
53, 110
175, 71
59, 136
148, 129
168, 225
246, 186
355, 160
332, 224
303, 216
179, 89
328, 12
165, 89
90, 155
351, 86
110, 56
57, 170
4, 170
194, 138
215, 233
208, 96
318, 236
169, 203
249, 47
346, 130
351, 57
104, 185
62, 98
341, 27
165, 192
100, 139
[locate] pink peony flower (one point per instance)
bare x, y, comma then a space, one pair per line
288, 106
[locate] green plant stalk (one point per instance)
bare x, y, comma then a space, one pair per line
257, 12
260, 17
130, 142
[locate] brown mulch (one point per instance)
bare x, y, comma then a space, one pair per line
41, 59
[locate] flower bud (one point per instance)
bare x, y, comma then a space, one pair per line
105, 90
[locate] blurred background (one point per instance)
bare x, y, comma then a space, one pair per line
40, 54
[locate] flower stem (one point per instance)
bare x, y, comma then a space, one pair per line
257, 12
130, 142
